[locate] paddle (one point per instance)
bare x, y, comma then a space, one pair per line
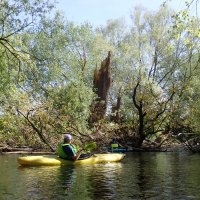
90, 146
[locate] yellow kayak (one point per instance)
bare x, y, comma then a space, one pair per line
50, 160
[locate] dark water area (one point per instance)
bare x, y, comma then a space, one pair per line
152, 176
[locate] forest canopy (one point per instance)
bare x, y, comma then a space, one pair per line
134, 83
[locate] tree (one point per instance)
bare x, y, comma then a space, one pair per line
16, 17
148, 74
102, 82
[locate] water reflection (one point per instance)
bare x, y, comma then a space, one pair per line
140, 176
104, 179
66, 178
38, 182
144, 176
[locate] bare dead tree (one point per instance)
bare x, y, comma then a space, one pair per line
101, 84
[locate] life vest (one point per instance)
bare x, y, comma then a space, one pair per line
61, 153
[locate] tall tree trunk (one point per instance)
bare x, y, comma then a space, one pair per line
141, 115
101, 85
116, 116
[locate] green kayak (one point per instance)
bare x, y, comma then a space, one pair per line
50, 160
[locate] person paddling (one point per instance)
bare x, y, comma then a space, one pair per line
68, 151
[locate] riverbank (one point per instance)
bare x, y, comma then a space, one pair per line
145, 148
23, 150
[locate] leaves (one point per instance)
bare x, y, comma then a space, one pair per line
47, 65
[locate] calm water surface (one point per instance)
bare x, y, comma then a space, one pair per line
140, 176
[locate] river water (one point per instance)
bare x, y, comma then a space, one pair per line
155, 176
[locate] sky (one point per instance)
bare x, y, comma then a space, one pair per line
97, 12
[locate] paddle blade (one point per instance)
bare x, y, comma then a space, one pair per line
90, 146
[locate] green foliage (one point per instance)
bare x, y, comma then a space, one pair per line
47, 65
73, 102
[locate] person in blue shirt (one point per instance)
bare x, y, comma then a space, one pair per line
67, 150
